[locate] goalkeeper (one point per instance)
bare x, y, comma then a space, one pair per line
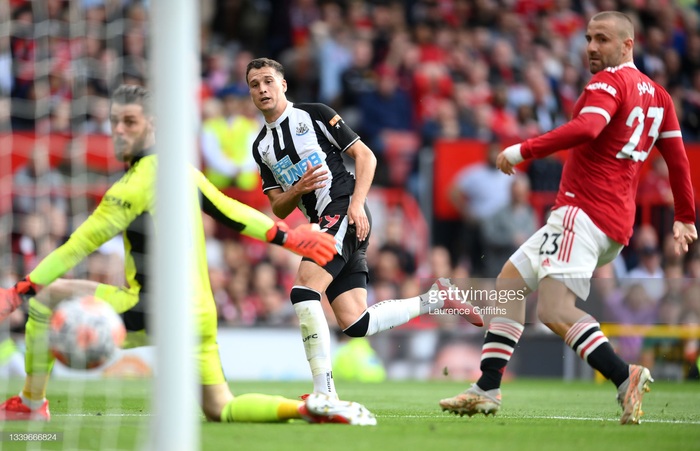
127, 207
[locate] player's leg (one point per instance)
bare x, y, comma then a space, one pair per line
219, 404
589, 248
584, 247
305, 296
500, 340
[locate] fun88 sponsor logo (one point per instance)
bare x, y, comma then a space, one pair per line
288, 173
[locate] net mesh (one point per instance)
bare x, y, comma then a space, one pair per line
59, 62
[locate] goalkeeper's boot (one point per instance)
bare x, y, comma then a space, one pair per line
474, 400
446, 290
630, 394
322, 408
9, 301
15, 410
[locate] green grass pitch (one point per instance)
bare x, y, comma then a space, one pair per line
536, 415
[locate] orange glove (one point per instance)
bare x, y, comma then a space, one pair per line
12, 298
306, 240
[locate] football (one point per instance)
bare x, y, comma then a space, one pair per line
85, 332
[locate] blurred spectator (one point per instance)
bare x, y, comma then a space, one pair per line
664, 355
356, 81
227, 137
690, 107
447, 124
37, 185
334, 42
274, 308
478, 192
631, 305
386, 127
98, 119
545, 174
508, 228
647, 271
385, 107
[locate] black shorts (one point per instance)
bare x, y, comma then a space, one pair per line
348, 268
135, 318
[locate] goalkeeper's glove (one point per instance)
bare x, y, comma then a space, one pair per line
306, 240
11, 299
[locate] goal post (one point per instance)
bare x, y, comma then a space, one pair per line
174, 69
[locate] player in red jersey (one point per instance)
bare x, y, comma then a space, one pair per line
617, 121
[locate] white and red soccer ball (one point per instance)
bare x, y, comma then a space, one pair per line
85, 332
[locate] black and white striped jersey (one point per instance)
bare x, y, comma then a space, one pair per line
305, 132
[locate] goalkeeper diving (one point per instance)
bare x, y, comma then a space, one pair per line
128, 208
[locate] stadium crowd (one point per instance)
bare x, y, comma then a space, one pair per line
404, 74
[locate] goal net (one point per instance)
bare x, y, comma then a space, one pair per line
59, 63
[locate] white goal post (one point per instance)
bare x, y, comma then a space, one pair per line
174, 67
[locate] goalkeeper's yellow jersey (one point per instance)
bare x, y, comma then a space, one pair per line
128, 208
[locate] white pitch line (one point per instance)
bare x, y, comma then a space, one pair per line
101, 415
507, 417
544, 417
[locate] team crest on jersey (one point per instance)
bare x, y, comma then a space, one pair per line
302, 129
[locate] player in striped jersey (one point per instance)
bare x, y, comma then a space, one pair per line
617, 121
299, 152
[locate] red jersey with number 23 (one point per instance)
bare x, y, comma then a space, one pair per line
601, 174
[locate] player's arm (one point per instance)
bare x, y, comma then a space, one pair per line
283, 203
600, 102
110, 217
346, 140
670, 145
303, 240
583, 128
365, 165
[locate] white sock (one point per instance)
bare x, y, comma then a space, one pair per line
317, 344
32, 404
429, 302
395, 312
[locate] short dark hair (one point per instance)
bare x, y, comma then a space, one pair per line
259, 63
128, 94
626, 30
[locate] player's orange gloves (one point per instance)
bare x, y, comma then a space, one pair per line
12, 298
306, 240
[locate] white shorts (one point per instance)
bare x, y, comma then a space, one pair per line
568, 248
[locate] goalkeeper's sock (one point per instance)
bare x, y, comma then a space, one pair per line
38, 361
316, 337
257, 408
32, 403
386, 315
499, 344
